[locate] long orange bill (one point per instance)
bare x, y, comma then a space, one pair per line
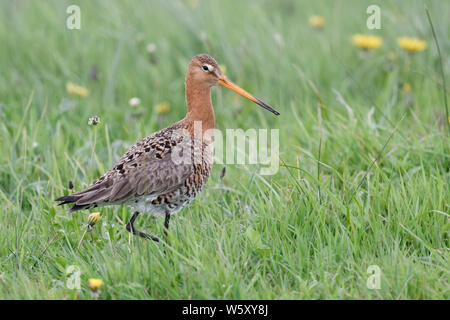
223, 81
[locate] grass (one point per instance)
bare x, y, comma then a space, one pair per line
345, 197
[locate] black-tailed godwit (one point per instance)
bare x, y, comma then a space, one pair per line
164, 172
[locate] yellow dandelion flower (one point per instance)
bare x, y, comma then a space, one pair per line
76, 90
223, 68
406, 88
94, 218
95, 284
366, 42
162, 108
316, 21
411, 44
392, 56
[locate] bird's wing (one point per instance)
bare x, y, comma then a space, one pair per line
155, 165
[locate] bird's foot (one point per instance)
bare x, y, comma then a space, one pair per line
130, 228
147, 236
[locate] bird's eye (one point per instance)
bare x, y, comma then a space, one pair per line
205, 68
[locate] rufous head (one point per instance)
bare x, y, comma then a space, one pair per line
204, 69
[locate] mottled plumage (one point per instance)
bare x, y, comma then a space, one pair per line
165, 171
146, 177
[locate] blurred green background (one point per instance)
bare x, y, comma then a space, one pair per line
351, 191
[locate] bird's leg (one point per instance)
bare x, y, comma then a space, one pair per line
166, 223
130, 228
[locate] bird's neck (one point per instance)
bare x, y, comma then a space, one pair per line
199, 105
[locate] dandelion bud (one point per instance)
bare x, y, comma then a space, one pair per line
316, 22
76, 90
162, 108
93, 218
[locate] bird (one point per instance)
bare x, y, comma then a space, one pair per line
162, 173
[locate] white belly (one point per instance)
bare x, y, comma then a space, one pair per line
145, 205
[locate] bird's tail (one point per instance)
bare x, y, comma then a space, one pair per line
90, 197
72, 199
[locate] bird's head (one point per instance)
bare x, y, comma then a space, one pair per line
204, 69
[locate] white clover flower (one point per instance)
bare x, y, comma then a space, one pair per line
94, 121
151, 48
133, 102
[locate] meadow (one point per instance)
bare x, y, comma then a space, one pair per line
364, 150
